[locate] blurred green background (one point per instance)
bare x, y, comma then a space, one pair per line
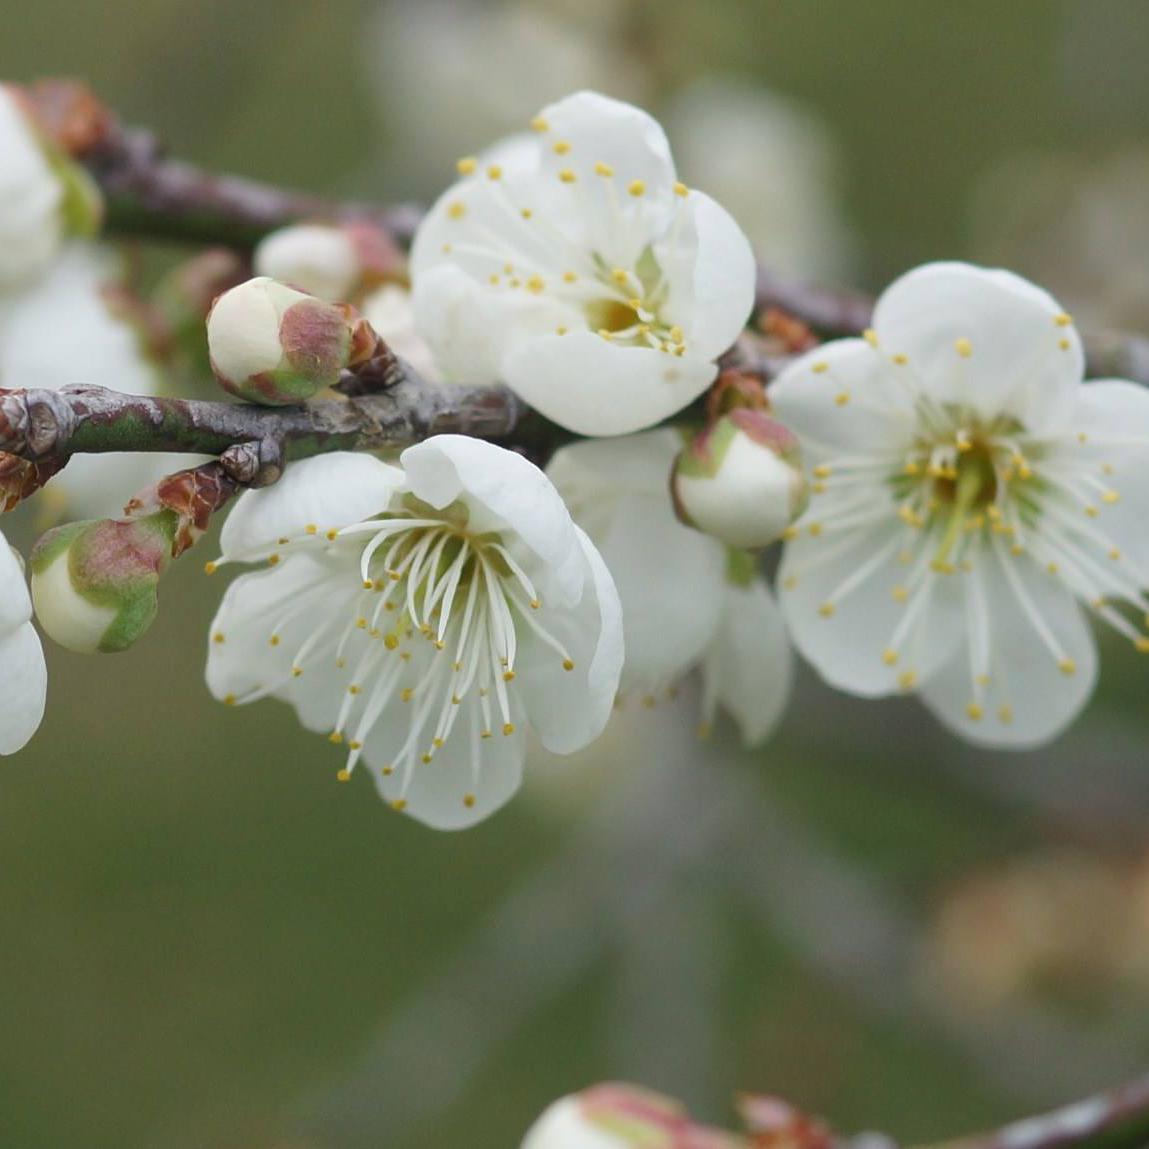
205, 942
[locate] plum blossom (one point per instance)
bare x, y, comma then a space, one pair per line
76, 325
688, 600
23, 673
31, 197
422, 616
584, 275
971, 496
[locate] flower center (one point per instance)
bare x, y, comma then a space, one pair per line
435, 623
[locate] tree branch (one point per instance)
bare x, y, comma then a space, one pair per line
38, 425
1115, 1119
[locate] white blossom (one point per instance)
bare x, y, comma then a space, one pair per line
31, 198
688, 601
23, 673
970, 495
585, 276
70, 328
422, 617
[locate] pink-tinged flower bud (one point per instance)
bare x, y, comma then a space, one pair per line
94, 582
741, 480
335, 262
273, 345
622, 1117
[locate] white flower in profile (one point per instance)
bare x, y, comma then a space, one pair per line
688, 601
774, 165
584, 275
23, 674
31, 198
619, 1116
971, 494
71, 327
422, 617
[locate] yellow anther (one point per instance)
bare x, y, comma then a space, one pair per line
273, 640
907, 680
1064, 344
508, 676
636, 188
297, 672
561, 147
1005, 714
1067, 666
820, 368
311, 529
361, 623
889, 657
468, 800
870, 336
406, 694
1092, 512
1110, 497
1063, 320
963, 347
680, 189
842, 398
815, 530
605, 334
272, 560
561, 330
355, 745
1053, 568
539, 124
494, 172
569, 277
354, 689
209, 568
789, 534
677, 334
344, 776
901, 360
619, 274
456, 210
391, 641
508, 728
1017, 550
900, 594
535, 284
1141, 644
568, 664
399, 804
1115, 554
526, 212
974, 712
567, 176
826, 610
603, 169
218, 637
822, 471
229, 700
467, 165
335, 737
426, 757
332, 535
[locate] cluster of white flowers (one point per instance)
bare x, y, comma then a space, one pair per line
950, 493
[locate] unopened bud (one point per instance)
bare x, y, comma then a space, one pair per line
622, 1117
315, 258
741, 480
94, 583
273, 345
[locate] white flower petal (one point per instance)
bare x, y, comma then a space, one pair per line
467, 780
564, 1125
749, 665
602, 468
841, 597
23, 686
845, 397
594, 387
1113, 419
503, 491
570, 708
985, 339
712, 275
15, 602
1030, 699
326, 492
670, 580
601, 130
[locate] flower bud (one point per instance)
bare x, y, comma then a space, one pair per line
315, 258
273, 345
741, 479
622, 1117
94, 582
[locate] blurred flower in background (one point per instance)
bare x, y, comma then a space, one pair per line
773, 165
